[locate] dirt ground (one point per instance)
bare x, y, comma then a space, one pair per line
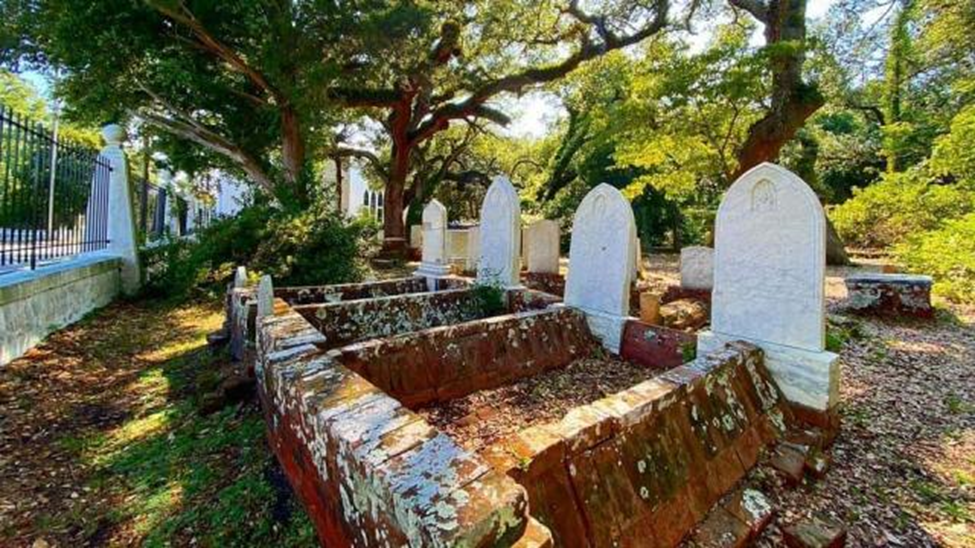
488, 416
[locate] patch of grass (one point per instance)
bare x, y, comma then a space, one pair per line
957, 406
168, 476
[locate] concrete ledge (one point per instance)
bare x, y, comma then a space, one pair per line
27, 283
810, 379
35, 303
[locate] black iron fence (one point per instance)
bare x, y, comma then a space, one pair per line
53, 195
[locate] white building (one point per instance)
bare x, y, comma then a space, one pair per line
355, 194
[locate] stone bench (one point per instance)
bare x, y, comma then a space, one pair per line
890, 294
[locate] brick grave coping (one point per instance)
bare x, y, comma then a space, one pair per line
645, 463
890, 294
241, 306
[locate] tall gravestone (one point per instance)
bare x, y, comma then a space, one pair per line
542, 247
769, 282
265, 298
500, 235
433, 263
601, 260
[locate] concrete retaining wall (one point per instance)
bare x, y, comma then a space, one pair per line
36, 303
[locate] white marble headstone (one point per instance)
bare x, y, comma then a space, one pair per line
240, 277
434, 250
500, 235
769, 281
542, 247
770, 260
601, 260
265, 297
697, 267
434, 233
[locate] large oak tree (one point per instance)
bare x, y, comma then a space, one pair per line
261, 84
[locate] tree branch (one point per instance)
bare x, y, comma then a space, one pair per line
198, 134
515, 83
356, 152
183, 16
757, 8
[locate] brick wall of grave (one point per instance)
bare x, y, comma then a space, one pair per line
642, 467
347, 292
350, 321
453, 361
242, 309
369, 471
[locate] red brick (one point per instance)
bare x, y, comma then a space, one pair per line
721, 529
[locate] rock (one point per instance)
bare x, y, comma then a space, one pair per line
790, 460
752, 508
814, 533
684, 314
218, 339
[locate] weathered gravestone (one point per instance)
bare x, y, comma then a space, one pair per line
265, 298
601, 262
769, 282
500, 235
542, 247
433, 259
240, 277
697, 267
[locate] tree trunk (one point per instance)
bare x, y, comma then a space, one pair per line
293, 155
793, 100
394, 232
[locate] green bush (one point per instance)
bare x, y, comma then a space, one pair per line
316, 246
947, 254
899, 206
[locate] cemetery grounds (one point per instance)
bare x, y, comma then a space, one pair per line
109, 436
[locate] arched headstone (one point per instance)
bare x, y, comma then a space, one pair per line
542, 247
769, 281
500, 235
433, 263
601, 260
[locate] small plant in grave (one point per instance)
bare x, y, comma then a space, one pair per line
489, 298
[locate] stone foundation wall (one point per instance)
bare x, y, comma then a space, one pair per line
450, 362
346, 322
642, 467
369, 471
36, 303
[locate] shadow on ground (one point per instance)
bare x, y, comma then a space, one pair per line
102, 442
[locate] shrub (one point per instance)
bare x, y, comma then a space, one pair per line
898, 206
316, 246
947, 254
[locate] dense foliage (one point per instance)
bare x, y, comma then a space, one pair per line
312, 247
948, 254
